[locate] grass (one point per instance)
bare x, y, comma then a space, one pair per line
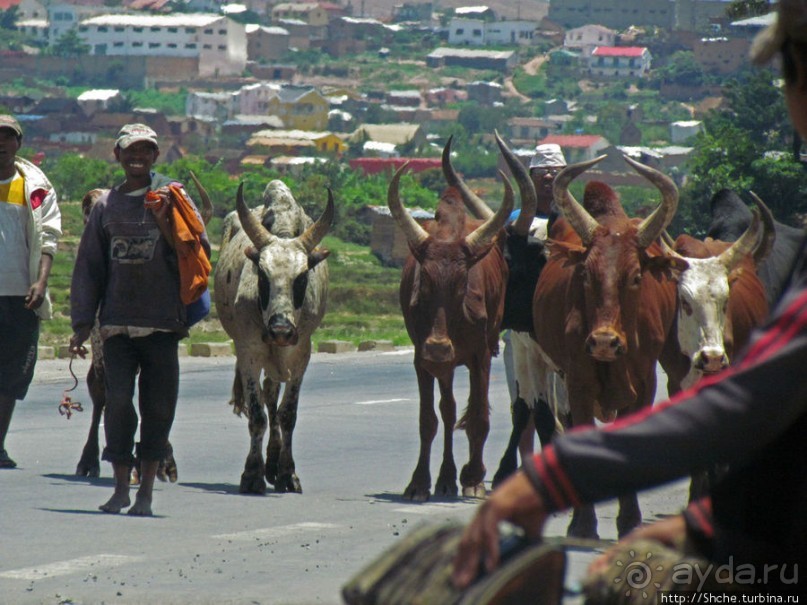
362, 297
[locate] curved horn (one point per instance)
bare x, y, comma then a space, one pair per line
651, 227
415, 234
744, 245
257, 233
765, 244
577, 216
477, 207
312, 236
529, 199
482, 235
667, 244
207, 206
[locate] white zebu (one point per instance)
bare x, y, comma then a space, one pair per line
271, 285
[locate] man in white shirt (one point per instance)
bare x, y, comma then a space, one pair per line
30, 226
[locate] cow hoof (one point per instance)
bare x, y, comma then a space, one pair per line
446, 489
252, 485
288, 483
88, 469
416, 494
474, 491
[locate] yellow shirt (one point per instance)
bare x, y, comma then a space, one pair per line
14, 277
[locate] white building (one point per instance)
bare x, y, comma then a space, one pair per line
98, 99
619, 61
218, 42
588, 37
253, 99
684, 130
216, 105
478, 32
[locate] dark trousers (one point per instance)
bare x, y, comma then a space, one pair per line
155, 356
19, 336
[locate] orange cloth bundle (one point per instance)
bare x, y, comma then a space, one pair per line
187, 228
153, 200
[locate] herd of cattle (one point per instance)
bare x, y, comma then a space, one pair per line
593, 303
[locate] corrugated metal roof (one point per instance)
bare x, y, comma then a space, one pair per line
99, 94
572, 140
176, 20
619, 51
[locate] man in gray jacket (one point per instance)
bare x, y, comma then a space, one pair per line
30, 226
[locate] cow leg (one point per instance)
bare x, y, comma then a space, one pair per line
271, 393
584, 518
476, 422
421, 482
447, 479
287, 480
509, 462
167, 469
89, 464
252, 479
630, 516
584, 523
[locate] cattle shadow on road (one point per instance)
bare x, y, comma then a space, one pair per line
225, 489
82, 511
95, 481
397, 498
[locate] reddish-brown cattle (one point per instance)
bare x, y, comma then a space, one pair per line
452, 298
603, 307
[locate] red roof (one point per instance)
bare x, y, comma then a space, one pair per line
7, 4
376, 165
619, 51
572, 140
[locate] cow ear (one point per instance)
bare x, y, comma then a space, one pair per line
317, 256
670, 267
573, 253
252, 254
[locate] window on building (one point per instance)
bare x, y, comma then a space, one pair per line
103, 28
222, 32
154, 45
156, 28
222, 47
173, 30
117, 44
190, 45
171, 45
207, 46
459, 31
138, 30
190, 30
477, 33
83, 28
137, 44
209, 31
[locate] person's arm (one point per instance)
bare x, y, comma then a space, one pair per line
88, 280
36, 293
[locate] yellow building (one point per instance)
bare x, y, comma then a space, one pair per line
300, 108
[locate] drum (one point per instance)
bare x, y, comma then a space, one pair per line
417, 571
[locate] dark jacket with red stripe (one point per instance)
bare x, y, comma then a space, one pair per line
753, 416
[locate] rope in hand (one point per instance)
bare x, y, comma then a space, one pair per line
68, 406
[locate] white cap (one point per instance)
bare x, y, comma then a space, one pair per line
548, 154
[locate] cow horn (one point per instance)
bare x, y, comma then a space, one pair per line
577, 216
765, 245
477, 207
526, 188
415, 234
207, 206
667, 244
257, 233
744, 245
651, 227
312, 236
482, 235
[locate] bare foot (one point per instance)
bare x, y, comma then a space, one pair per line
115, 504
141, 508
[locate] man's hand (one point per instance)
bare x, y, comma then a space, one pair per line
76, 342
36, 295
516, 501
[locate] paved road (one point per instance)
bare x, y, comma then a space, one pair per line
355, 447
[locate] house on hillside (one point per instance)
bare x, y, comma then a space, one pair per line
504, 61
532, 129
387, 241
485, 93
92, 101
292, 142
266, 43
397, 134
300, 107
721, 55
588, 37
618, 62
578, 147
216, 105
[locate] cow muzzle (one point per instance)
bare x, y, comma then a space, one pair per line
280, 332
710, 360
438, 350
605, 345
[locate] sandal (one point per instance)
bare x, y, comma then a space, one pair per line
5, 461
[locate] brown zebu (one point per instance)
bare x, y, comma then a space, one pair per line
89, 464
452, 298
603, 307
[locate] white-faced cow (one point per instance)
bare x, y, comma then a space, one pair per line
271, 285
539, 389
603, 307
452, 298
720, 301
731, 217
89, 465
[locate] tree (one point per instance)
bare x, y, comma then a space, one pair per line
70, 45
746, 146
682, 69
